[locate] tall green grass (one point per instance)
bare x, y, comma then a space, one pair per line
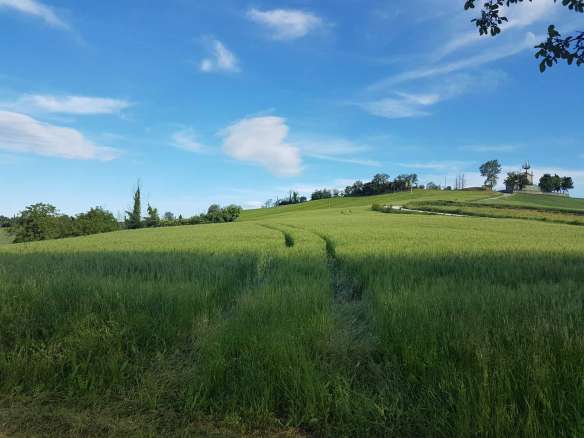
368, 325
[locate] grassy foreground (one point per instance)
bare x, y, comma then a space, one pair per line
317, 321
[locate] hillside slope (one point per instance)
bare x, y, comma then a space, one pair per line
367, 201
315, 321
540, 201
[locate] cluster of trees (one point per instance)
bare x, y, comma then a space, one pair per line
555, 183
215, 214
292, 198
43, 221
381, 183
516, 179
5, 222
325, 194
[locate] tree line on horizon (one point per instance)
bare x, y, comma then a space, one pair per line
379, 184
42, 221
548, 183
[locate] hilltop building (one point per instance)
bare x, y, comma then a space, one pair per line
523, 181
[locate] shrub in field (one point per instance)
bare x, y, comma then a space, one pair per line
96, 220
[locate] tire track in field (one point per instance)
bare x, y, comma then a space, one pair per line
288, 238
355, 341
345, 287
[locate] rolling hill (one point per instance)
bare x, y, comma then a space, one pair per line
322, 319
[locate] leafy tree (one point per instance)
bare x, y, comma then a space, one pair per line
490, 171
42, 222
169, 216
554, 49
153, 219
321, 194
96, 220
546, 183
5, 222
557, 183
567, 183
231, 212
134, 217
216, 214
516, 181
432, 186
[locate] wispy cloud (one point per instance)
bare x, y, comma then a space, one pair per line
20, 133
220, 59
36, 9
490, 148
262, 140
357, 161
339, 150
433, 71
286, 24
520, 17
438, 165
402, 105
77, 105
187, 141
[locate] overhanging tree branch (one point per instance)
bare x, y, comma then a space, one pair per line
554, 49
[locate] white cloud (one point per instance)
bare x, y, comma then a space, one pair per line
286, 24
187, 141
221, 59
262, 140
35, 8
78, 105
23, 134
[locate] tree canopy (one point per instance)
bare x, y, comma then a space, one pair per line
490, 171
555, 48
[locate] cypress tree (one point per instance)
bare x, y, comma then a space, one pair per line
134, 219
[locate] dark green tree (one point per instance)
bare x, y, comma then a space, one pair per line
553, 49
42, 222
134, 217
96, 220
516, 181
546, 183
567, 184
490, 171
153, 218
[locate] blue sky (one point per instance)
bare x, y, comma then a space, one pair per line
237, 101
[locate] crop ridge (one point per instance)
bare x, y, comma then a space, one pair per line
289, 240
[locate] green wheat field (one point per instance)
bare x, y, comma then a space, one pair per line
324, 319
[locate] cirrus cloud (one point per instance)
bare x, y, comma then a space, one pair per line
36, 9
78, 105
20, 133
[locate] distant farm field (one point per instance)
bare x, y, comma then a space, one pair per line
325, 319
540, 201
